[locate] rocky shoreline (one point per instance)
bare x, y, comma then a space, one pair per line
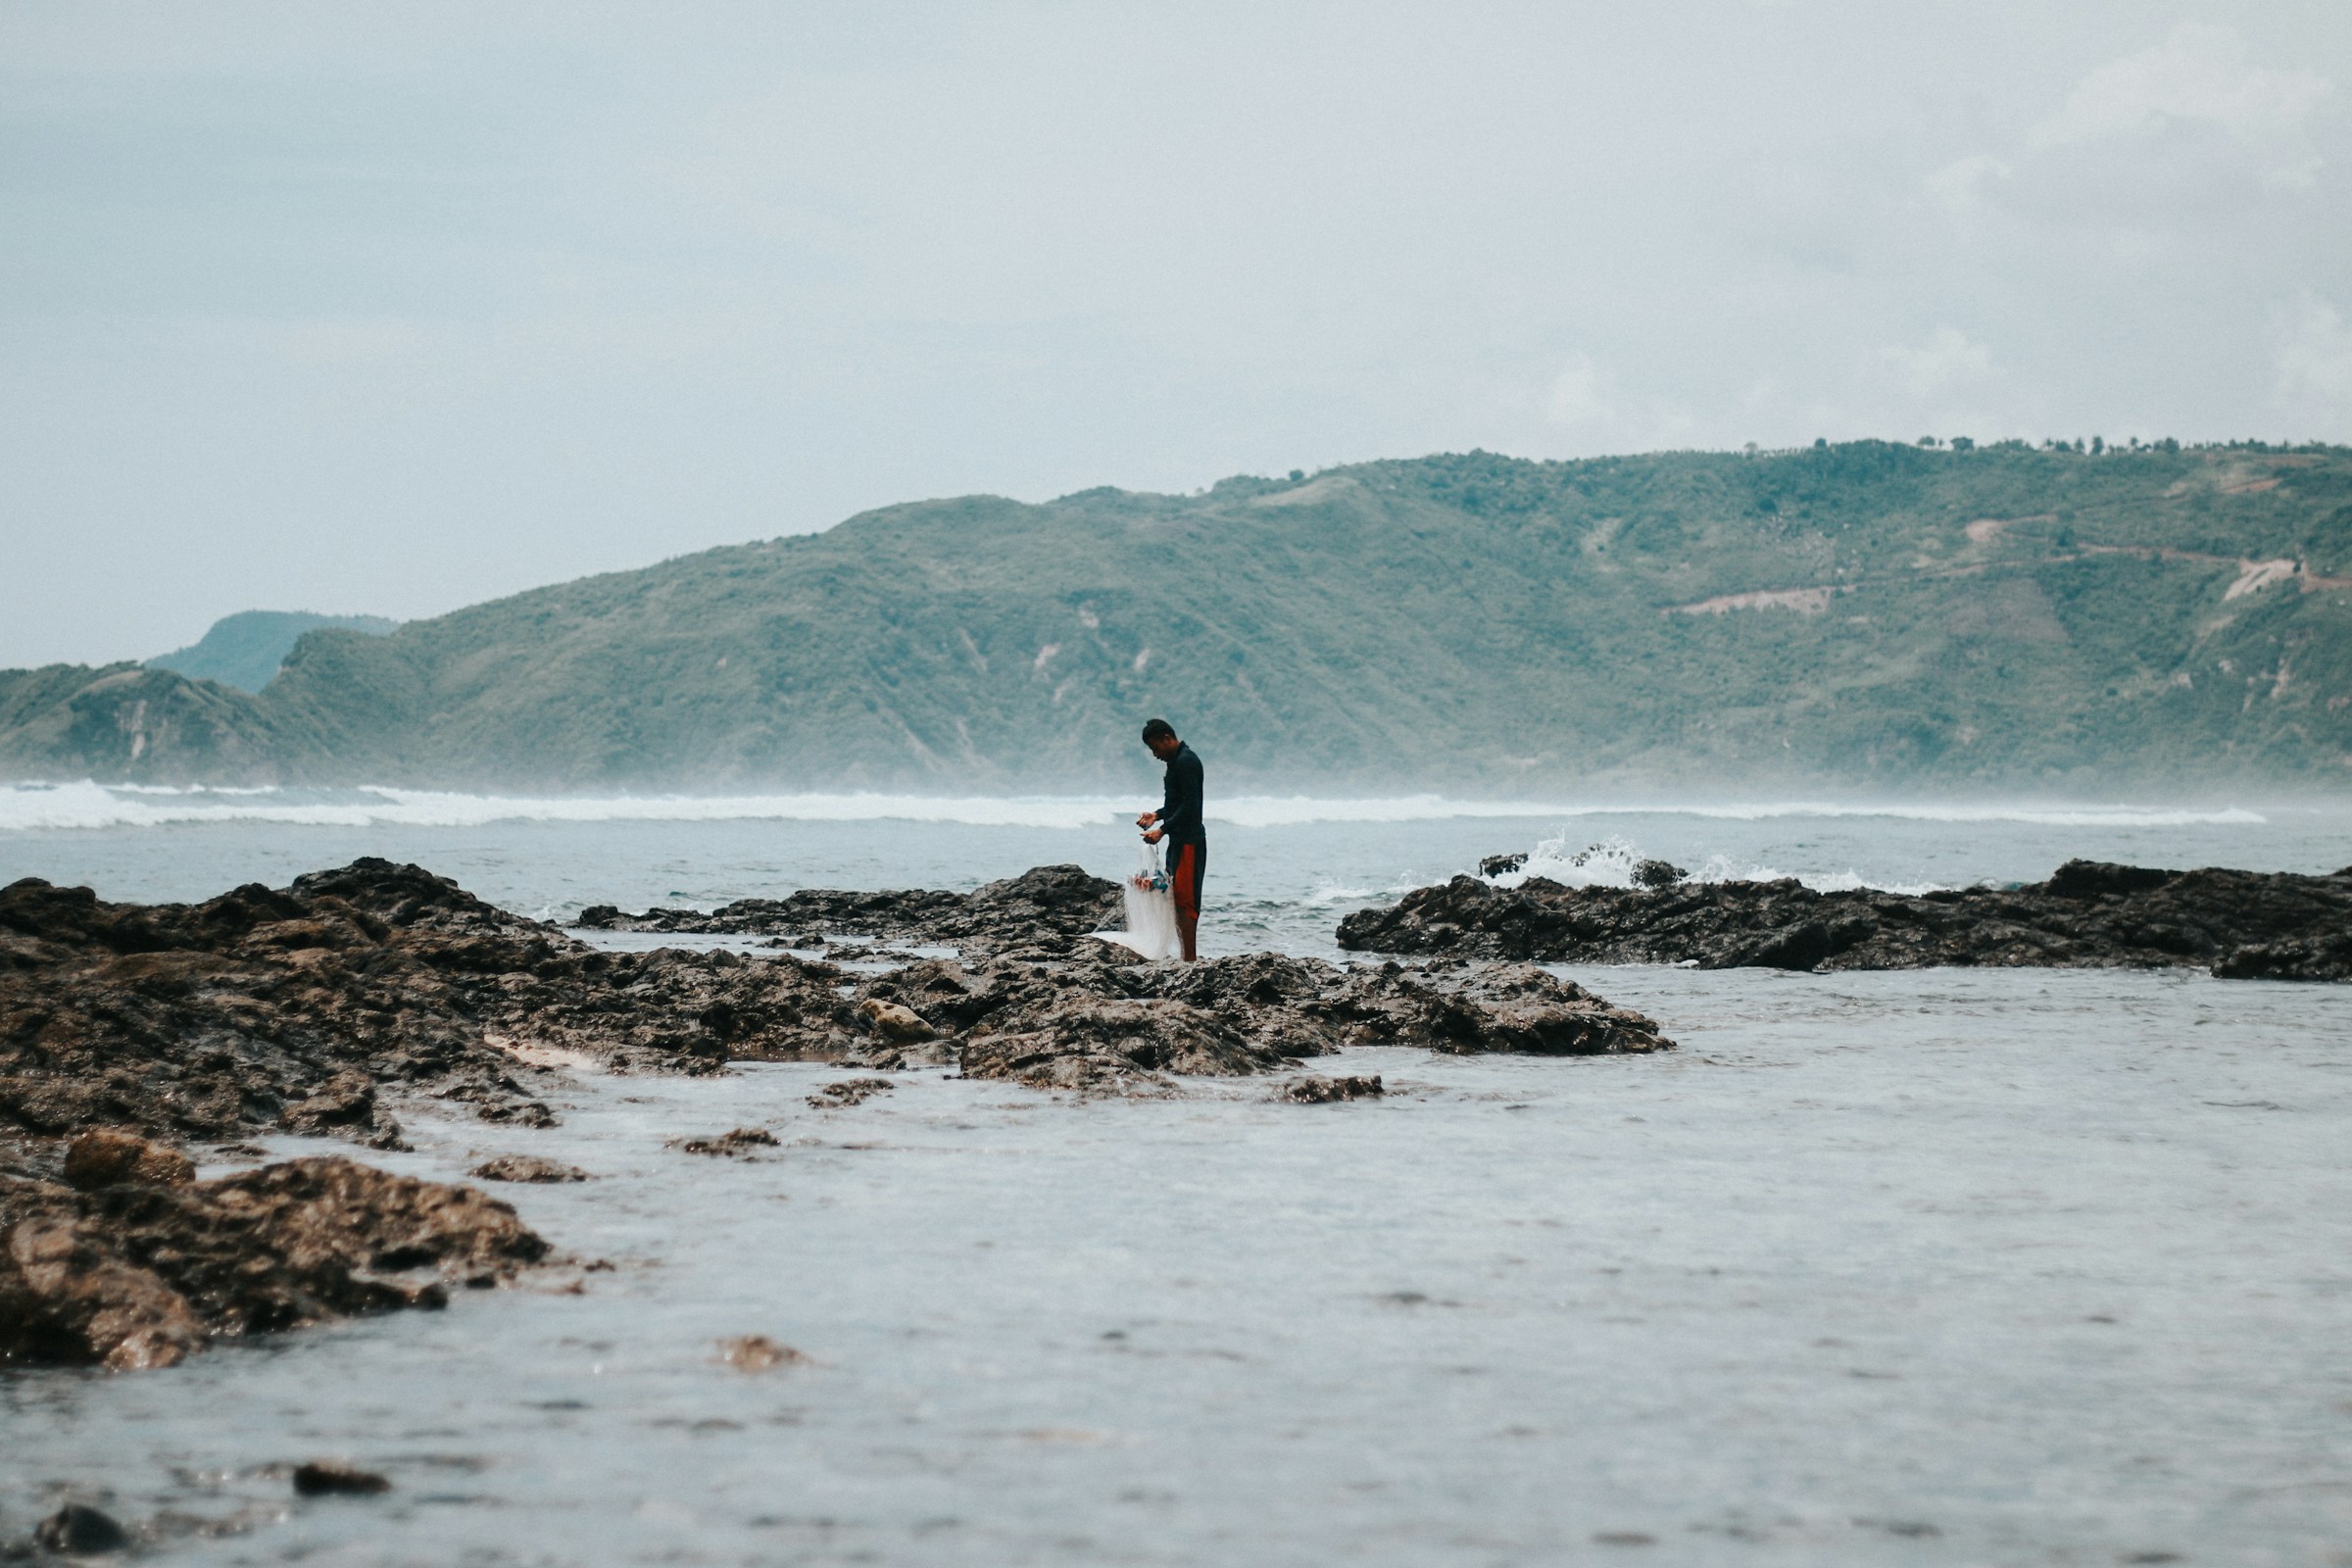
1044, 908
130, 1033
2235, 924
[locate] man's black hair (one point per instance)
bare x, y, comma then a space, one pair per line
1158, 729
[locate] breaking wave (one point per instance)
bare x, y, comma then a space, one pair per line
27, 808
1612, 864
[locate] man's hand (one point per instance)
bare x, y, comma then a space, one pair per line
1153, 836
1147, 819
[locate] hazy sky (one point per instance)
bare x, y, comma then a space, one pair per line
393, 307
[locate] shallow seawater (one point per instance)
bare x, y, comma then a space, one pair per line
1939, 1268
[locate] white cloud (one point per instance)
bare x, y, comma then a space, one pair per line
2199, 74
1580, 394
1949, 356
1960, 185
2313, 360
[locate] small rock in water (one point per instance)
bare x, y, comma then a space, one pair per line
527, 1168
849, 1092
109, 1157
323, 1478
757, 1353
78, 1529
893, 1021
1313, 1089
1659, 874
736, 1145
1502, 864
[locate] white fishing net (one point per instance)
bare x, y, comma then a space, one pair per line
1151, 912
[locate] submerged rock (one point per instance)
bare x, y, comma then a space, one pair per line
325, 1477
139, 1275
527, 1168
849, 1092
736, 1145
78, 1529
2089, 914
1311, 1090
757, 1353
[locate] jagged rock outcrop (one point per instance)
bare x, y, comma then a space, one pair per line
1041, 907
299, 1008
136, 1274
310, 1008
1103, 1021
317, 1008
2239, 924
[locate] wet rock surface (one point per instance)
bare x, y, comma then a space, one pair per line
741, 1143
309, 1008
78, 1529
849, 1092
1041, 907
527, 1168
1312, 1089
327, 1477
322, 1008
1101, 1020
138, 1275
2239, 924
317, 1008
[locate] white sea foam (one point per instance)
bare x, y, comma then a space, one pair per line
87, 806
1611, 862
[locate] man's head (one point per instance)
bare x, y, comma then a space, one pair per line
1160, 736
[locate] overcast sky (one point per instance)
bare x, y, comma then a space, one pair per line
394, 307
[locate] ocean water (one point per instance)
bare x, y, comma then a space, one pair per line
1942, 1267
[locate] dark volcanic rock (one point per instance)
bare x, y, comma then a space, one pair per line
109, 1157
78, 1529
736, 1145
138, 1275
1311, 1090
1102, 1021
303, 1009
2089, 914
527, 1168
323, 1478
319, 1007
849, 1092
1042, 906
260, 1009
1659, 874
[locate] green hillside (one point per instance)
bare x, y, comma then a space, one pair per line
246, 649
1862, 614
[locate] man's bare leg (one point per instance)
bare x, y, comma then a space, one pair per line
1188, 931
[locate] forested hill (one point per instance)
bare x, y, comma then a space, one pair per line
1865, 613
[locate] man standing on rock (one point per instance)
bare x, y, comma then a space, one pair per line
1178, 822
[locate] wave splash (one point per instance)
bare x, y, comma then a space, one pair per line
1612, 863
37, 807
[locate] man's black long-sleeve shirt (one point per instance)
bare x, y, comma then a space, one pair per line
1179, 807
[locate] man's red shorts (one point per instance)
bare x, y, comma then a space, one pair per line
1187, 864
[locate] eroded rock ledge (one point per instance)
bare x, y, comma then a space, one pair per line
2238, 924
137, 1273
130, 1031
1043, 909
